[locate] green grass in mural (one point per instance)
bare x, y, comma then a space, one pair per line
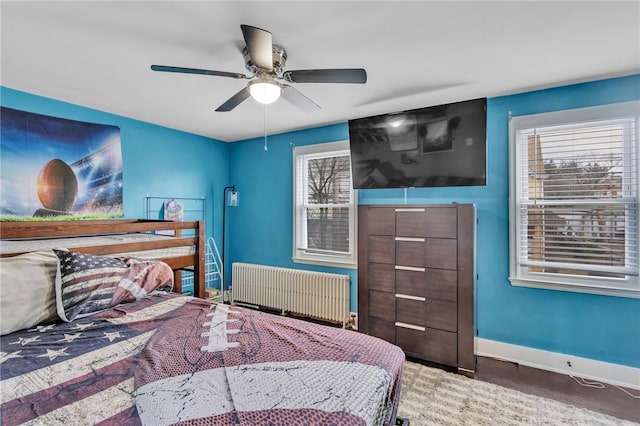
93, 216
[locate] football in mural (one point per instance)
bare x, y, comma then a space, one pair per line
57, 186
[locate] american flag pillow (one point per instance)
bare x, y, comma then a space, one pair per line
91, 283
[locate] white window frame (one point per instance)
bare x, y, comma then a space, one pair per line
300, 254
520, 275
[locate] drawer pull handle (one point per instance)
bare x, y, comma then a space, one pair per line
410, 326
410, 268
409, 297
414, 240
399, 210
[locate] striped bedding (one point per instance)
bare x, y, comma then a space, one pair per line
171, 359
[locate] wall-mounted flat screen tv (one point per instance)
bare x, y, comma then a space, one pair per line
442, 145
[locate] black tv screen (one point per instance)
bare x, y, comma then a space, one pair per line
443, 145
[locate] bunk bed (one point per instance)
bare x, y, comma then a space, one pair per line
181, 245
160, 357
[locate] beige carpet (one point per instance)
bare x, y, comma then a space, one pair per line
435, 397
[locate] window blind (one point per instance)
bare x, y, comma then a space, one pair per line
328, 195
577, 198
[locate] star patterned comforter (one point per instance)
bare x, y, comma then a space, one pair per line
170, 359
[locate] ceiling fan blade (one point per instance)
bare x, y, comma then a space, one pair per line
298, 99
259, 45
345, 75
167, 68
234, 101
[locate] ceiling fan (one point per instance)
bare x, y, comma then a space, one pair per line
266, 62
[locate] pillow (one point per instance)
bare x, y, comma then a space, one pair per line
91, 283
27, 290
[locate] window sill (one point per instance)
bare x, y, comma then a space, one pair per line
633, 293
325, 262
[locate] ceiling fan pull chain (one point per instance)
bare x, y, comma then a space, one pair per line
265, 128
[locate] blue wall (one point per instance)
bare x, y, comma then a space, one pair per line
597, 327
260, 228
160, 161
157, 161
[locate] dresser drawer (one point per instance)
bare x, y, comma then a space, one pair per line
435, 345
441, 314
410, 340
410, 251
382, 305
382, 221
441, 346
411, 221
381, 277
382, 329
382, 250
411, 311
438, 314
441, 284
442, 222
427, 222
411, 281
441, 253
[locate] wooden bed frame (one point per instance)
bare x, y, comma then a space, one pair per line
60, 229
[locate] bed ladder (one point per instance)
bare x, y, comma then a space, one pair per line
214, 271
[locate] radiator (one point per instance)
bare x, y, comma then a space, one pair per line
315, 294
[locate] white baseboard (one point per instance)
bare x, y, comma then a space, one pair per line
615, 374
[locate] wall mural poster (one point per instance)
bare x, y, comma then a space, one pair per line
53, 168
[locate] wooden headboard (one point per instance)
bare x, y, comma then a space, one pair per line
194, 230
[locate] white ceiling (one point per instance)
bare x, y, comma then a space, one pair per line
420, 53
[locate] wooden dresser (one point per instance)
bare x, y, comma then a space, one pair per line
416, 279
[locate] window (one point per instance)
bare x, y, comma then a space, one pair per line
574, 200
325, 205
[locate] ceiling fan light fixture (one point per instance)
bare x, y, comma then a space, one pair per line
265, 90
266, 62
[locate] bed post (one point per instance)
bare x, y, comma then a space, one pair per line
199, 267
177, 281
